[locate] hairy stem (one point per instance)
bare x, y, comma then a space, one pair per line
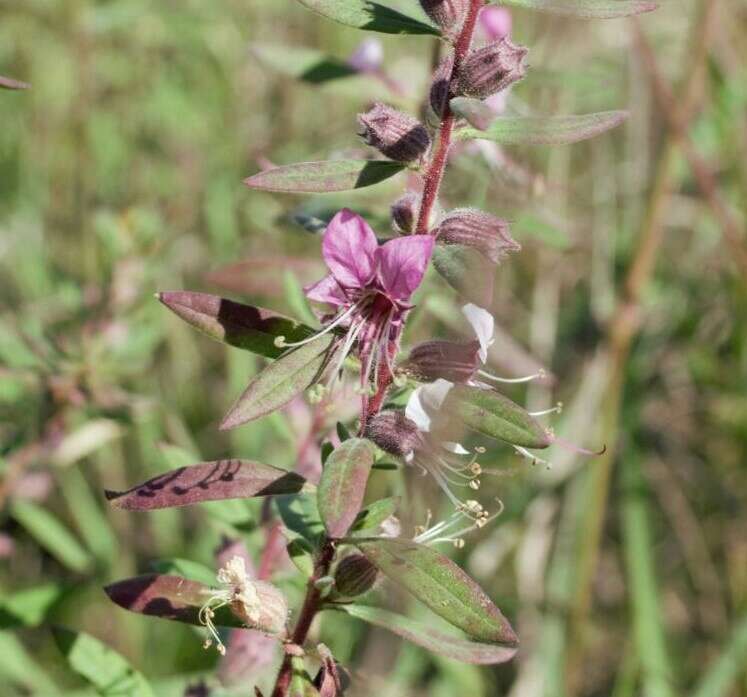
435, 172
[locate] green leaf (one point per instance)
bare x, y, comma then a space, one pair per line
28, 607
371, 16
109, 673
371, 517
722, 673
431, 639
490, 413
545, 130
280, 382
466, 270
301, 516
300, 684
439, 583
325, 176
243, 326
588, 9
475, 111
343, 485
301, 553
192, 570
51, 534
302, 63
18, 667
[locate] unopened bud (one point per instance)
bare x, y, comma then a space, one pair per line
491, 69
267, 612
394, 433
447, 14
479, 230
397, 135
355, 575
438, 95
455, 362
405, 213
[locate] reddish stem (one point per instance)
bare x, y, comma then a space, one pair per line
435, 172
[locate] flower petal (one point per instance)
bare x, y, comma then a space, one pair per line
425, 401
484, 325
402, 264
349, 249
328, 290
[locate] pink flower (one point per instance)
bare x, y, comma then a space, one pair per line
371, 286
495, 22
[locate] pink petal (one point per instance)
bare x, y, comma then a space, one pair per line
349, 248
402, 263
495, 22
327, 290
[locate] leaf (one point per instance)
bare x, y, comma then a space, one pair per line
325, 176
243, 326
490, 413
588, 9
300, 684
280, 382
466, 270
185, 568
545, 130
302, 63
371, 517
86, 440
29, 607
477, 112
301, 516
440, 584
168, 597
343, 485
101, 666
722, 672
8, 83
429, 638
51, 534
208, 481
371, 16
301, 554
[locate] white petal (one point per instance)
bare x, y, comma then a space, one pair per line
425, 401
456, 448
483, 324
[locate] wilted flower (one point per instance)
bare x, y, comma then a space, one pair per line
397, 135
491, 68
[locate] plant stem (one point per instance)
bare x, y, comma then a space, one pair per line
435, 171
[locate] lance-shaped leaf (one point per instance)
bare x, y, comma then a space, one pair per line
8, 83
587, 9
475, 111
208, 481
545, 130
371, 16
30, 606
466, 270
490, 413
371, 517
429, 638
302, 63
101, 666
324, 177
168, 597
243, 326
280, 382
343, 485
439, 583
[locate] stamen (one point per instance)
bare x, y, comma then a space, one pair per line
531, 456
557, 409
541, 373
280, 341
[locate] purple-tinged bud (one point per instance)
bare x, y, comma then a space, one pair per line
474, 228
399, 136
491, 69
455, 362
405, 213
394, 433
355, 575
438, 95
447, 14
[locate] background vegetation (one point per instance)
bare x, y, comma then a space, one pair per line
120, 175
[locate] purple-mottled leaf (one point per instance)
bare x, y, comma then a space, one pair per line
371, 16
587, 9
243, 326
168, 597
440, 584
8, 83
302, 63
343, 485
208, 481
545, 130
467, 271
280, 382
459, 649
490, 413
324, 177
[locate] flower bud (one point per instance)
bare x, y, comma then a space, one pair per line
447, 14
405, 213
399, 136
394, 433
438, 95
455, 362
474, 228
491, 69
266, 610
355, 575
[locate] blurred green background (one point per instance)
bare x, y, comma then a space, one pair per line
120, 175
